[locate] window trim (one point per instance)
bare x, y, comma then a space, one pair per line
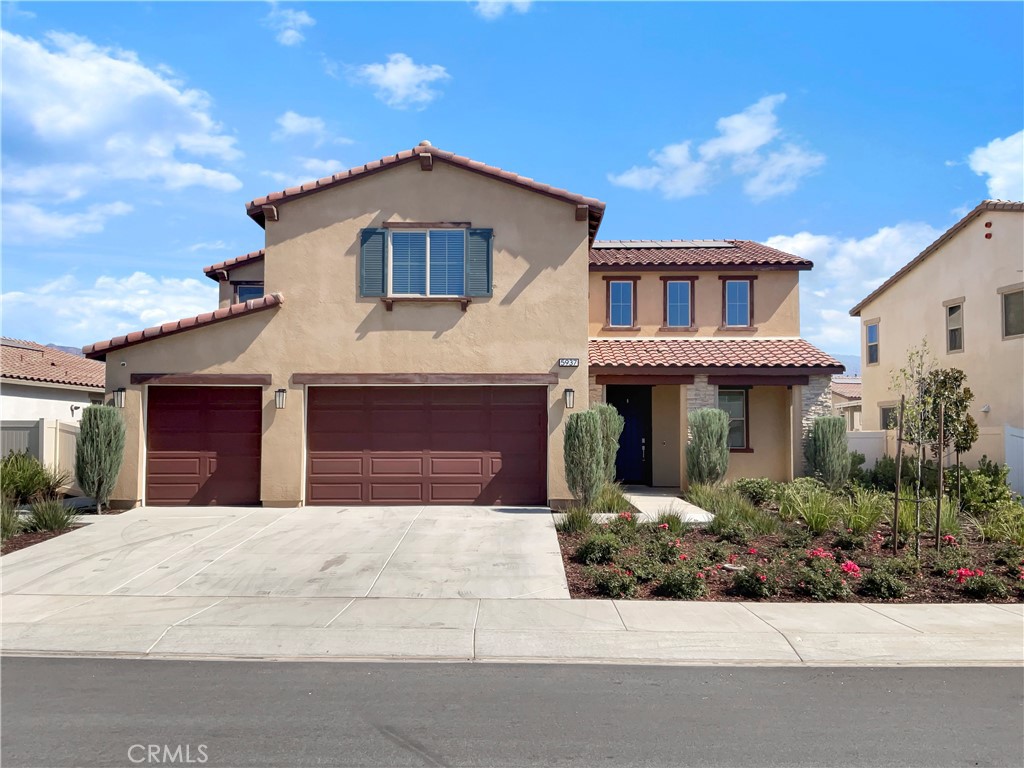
946, 306
1003, 292
608, 280
749, 279
665, 280
882, 408
878, 344
236, 283
745, 391
389, 263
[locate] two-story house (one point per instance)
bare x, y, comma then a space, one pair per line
415, 331
964, 296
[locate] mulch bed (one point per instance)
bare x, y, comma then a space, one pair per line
22, 540
925, 587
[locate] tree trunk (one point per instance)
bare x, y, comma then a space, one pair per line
899, 487
938, 492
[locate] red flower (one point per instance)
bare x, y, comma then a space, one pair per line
762, 577
683, 557
752, 551
851, 568
664, 526
700, 575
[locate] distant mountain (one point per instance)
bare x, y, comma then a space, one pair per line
852, 363
69, 350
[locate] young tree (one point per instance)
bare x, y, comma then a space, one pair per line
707, 453
828, 455
99, 452
612, 425
584, 456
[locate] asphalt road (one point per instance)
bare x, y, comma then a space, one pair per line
84, 712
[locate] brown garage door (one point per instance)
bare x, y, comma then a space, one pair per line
203, 445
427, 445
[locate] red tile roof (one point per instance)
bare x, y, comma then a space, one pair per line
28, 361
982, 207
691, 253
710, 353
101, 348
849, 387
595, 207
238, 261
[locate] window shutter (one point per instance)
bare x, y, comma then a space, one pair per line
373, 262
479, 258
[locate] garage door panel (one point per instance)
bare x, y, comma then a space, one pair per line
453, 445
343, 467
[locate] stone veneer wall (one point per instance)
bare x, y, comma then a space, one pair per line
596, 391
700, 394
817, 401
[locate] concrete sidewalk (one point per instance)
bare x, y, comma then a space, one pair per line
513, 630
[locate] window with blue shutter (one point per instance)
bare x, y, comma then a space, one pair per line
373, 262
479, 261
447, 262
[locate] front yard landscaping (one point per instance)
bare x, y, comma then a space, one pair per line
797, 542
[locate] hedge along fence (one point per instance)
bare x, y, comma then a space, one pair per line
707, 453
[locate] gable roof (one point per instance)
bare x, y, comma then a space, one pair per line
595, 208
101, 348
711, 353
212, 270
691, 253
29, 361
949, 234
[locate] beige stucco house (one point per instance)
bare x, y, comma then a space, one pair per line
846, 400
418, 329
964, 295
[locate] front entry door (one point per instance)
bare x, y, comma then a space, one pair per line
633, 461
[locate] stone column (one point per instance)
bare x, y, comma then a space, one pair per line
596, 391
816, 400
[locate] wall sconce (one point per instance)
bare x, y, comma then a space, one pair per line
570, 399
119, 397
279, 398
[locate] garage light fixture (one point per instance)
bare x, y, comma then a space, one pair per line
279, 398
570, 399
119, 397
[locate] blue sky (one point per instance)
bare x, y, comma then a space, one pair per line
851, 134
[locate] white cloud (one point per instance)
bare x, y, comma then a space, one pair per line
28, 223
111, 306
84, 116
306, 169
493, 9
742, 147
1002, 161
401, 82
216, 245
293, 125
288, 24
845, 271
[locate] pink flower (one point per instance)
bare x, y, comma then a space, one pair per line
684, 557
950, 540
820, 553
752, 551
732, 559
664, 526
700, 574
762, 577
851, 568
625, 515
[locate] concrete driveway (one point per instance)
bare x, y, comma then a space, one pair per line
311, 552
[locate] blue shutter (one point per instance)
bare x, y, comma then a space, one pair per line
373, 262
479, 262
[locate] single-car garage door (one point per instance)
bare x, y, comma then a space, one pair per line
203, 445
427, 445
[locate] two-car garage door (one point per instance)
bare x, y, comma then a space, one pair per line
427, 445
365, 445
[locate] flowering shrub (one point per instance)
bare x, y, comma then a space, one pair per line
684, 583
672, 522
850, 568
757, 582
982, 586
951, 559
598, 548
883, 583
950, 541
642, 567
821, 579
614, 581
963, 574
819, 554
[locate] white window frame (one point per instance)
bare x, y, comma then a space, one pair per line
1003, 293
947, 306
426, 234
877, 342
741, 419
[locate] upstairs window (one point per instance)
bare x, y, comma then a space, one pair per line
678, 304
871, 342
1013, 313
737, 300
621, 304
247, 290
450, 262
955, 328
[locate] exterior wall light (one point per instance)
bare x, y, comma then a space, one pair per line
119, 397
279, 398
570, 399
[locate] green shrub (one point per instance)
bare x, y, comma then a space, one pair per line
625, 526
611, 499
683, 583
984, 587
584, 456
50, 515
10, 520
575, 520
905, 566
707, 453
598, 548
816, 508
99, 452
882, 584
1008, 554
827, 453
612, 425
857, 473
643, 567
951, 559
863, 511
675, 523
757, 582
848, 541
759, 490
949, 519
822, 580
710, 553
23, 477
664, 549
796, 538
883, 476
1004, 523
613, 582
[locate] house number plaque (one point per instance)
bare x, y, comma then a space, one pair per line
568, 362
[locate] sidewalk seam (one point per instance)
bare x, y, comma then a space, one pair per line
347, 606
615, 605
391, 556
890, 618
476, 620
783, 634
172, 626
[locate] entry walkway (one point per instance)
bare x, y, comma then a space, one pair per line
651, 502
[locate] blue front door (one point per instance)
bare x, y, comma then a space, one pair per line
633, 461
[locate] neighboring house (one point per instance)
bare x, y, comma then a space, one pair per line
415, 332
846, 400
964, 295
40, 382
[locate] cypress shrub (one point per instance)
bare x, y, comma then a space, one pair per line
707, 453
584, 456
828, 456
99, 452
612, 425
